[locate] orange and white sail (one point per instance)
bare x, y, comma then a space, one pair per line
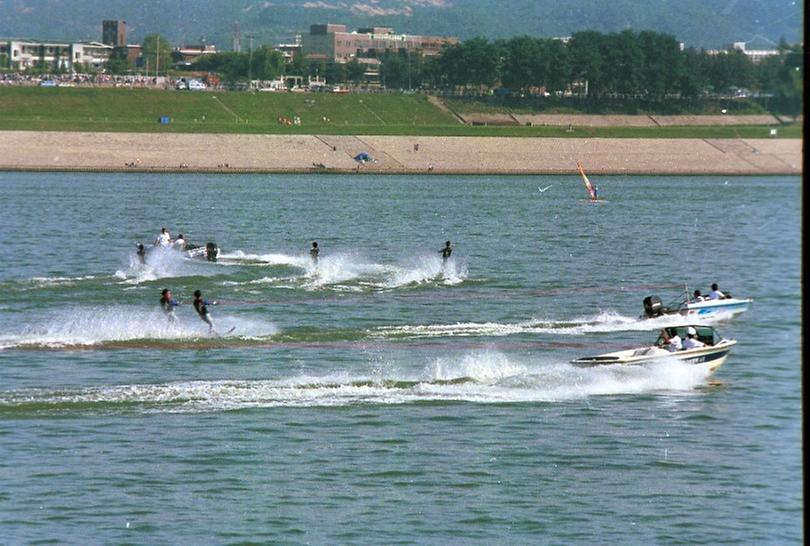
588, 184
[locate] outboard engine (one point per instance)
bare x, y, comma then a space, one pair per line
653, 306
211, 251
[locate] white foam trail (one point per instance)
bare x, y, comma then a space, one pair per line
482, 377
83, 326
350, 271
606, 321
338, 269
243, 258
163, 263
59, 281
426, 269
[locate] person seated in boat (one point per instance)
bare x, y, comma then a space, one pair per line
168, 303
697, 296
691, 341
673, 343
716, 294
163, 239
180, 242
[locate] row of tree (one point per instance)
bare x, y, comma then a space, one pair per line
643, 64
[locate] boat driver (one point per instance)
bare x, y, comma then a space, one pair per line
697, 296
691, 341
673, 343
180, 242
163, 239
716, 294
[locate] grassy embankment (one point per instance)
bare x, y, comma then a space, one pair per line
138, 110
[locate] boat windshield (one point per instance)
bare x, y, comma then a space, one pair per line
706, 334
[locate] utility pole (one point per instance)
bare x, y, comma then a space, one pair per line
250, 60
157, 58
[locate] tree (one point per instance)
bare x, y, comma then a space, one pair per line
692, 81
585, 49
394, 71
355, 71
118, 63
157, 53
559, 71
731, 69
267, 63
521, 66
336, 72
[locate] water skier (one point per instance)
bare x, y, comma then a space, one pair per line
141, 253
446, 252
313, 252
168, 303
201, 306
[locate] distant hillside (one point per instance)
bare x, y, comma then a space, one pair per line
702, 23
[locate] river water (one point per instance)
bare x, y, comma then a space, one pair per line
380, 396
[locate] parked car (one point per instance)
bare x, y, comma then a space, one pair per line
196, 85
181, 84
47, 83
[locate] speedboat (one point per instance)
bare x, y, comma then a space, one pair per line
693, 308
712, 355
208, 252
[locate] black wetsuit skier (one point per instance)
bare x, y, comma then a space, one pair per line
168, 303
446, 251
141, 253
313, 252
201, 306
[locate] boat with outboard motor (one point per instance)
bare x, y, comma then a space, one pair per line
691, 307
712, 353
209, 252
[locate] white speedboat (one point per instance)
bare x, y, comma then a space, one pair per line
696, 309
712, 355
208, 252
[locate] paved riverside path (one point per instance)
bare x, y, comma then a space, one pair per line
45, 150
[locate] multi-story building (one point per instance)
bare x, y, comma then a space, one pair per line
114, 33
333, 43
187, 54
290, 51
57, 56
755, 55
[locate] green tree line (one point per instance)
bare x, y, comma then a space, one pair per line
643, 64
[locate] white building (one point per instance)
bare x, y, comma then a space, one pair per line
25, 54
755, 55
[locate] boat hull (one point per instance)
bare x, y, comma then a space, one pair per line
711, 357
